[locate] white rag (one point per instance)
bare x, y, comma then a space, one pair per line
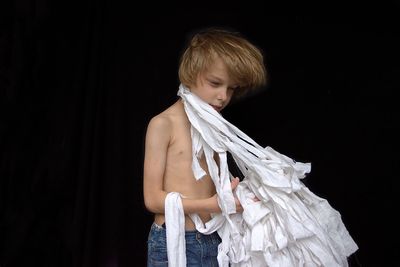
289, 226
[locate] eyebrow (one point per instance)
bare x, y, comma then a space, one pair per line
215, 77
211, 76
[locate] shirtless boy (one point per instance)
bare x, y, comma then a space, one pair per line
217, 66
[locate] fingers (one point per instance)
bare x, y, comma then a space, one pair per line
234, 183
239, 207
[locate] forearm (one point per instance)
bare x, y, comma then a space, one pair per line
155, 202
209, 205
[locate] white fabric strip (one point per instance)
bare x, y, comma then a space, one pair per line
175, 224
289, 226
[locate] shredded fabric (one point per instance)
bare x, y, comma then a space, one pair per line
175, 222
289, 226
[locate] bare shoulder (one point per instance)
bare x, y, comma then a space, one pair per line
160, 122
168, 117
164, 123
159, 129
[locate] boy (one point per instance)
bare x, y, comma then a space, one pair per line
210, 219
217, 66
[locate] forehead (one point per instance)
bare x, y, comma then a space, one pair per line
218, 70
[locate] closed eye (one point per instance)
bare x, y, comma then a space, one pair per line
215, 84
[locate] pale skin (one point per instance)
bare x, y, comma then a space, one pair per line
168, 152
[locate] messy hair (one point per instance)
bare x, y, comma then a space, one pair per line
244, 61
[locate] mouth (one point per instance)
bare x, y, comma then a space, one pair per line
217, 108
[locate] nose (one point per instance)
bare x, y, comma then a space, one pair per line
223, 94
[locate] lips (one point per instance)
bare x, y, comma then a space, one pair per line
217, 108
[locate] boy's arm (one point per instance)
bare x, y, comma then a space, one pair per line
158, 136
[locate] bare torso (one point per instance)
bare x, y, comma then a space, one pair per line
178, 175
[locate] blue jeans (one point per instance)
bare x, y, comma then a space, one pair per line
201, 250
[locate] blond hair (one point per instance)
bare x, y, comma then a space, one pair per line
244, 61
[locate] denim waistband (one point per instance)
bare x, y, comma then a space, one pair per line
164, 227
188, 233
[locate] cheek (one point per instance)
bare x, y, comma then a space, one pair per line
230, 94
209, 92
205, 94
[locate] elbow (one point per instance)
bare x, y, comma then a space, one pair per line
154, 201
152, 206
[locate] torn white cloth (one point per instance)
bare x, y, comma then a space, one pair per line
289, 226
175, 222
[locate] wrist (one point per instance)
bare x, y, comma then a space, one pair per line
213, 204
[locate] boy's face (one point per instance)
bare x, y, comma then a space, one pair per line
214, 85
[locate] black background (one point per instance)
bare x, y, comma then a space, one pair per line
80, 80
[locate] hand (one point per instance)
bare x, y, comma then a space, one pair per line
214, 202
234, 183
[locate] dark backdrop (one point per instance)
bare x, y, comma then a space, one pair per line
80, 80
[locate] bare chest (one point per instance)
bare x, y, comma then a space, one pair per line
179, 173
181, 146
